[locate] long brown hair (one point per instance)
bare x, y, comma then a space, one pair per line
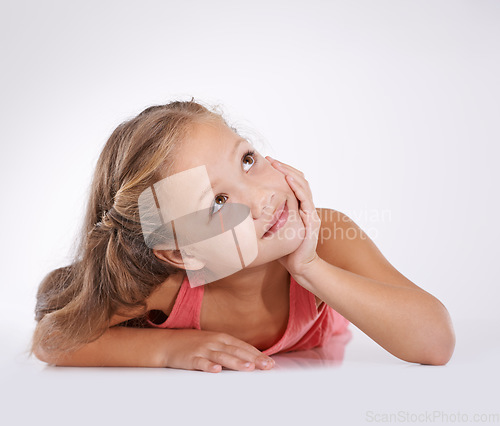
114, 271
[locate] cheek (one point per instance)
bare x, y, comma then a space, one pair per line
275, 177
285, 242
270, 171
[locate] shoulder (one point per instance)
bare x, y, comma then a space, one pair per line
338, 238
164, 296
342, 243
331, 220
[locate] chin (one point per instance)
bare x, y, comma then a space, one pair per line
280, 244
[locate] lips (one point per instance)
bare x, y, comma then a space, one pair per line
278, 220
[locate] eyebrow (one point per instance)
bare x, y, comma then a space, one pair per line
233, 152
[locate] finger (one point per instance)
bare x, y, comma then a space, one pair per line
260, 360
312, 219
230, 361
277, 163
304, 197
284, 166
301, 184
234, 341
288, 170
204, 364
312, 225
296, 174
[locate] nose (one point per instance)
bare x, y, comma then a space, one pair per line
261, 202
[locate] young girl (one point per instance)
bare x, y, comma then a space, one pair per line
123, 303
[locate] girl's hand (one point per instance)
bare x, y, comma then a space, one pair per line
297, 261
192, 349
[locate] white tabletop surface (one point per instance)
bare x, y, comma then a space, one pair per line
366, 385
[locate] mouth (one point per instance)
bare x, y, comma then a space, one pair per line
279, 222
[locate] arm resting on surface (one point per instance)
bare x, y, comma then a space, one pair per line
117, 347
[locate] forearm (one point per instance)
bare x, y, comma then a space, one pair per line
409, 323
117, 347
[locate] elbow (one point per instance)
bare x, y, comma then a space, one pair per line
43, 356
434, 344
40, 354
433, 351
440, 355
444, 351
441, 342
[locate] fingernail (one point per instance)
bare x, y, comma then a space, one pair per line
264, 361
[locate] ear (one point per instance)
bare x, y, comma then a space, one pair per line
180, 259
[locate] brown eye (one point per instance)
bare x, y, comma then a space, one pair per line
249, 160
219, 197
219, 201
248, 156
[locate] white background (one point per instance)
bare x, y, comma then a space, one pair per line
390, 108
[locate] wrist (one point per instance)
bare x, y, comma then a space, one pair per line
164, 348
306, 271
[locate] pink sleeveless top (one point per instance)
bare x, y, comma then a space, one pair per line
307, 326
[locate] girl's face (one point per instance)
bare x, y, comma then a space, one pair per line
238, 174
